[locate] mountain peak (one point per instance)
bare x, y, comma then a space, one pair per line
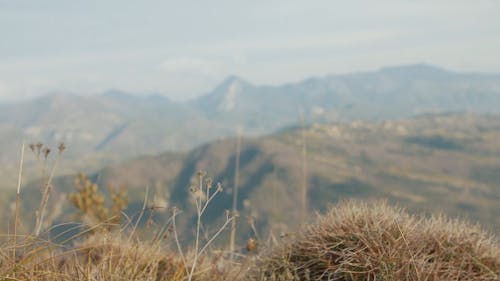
226, 96
228, 102
232, 80
120, 96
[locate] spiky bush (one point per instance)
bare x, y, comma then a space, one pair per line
372, 241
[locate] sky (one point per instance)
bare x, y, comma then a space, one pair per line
183, 49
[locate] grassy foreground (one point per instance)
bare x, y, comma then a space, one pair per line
353, 241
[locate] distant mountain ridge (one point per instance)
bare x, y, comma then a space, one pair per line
115, 125
392, 92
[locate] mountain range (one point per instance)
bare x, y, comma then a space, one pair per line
111, 127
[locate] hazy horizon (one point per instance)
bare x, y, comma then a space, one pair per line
217, 84
183, 50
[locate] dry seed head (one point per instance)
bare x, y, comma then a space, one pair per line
39, 147
208, 183
46, 152
174, 210
61, 147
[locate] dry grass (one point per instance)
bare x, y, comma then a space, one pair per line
108, 256
103, 257
106, 249
372, 241
354, 241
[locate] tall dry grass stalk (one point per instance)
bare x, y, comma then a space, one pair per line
46, 189
203, 196
232, 237
18, 194
305, 179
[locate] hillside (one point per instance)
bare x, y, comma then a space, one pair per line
100, 130
446, 163
113, 126
433, 163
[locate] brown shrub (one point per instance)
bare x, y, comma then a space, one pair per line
372, 241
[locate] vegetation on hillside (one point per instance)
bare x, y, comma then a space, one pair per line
444, 163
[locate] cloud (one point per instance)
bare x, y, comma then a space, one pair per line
302, 43
192, 66
70, 60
